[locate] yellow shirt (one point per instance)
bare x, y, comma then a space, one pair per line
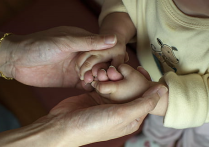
176, 45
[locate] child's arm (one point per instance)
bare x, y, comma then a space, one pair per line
119, 24
133, 85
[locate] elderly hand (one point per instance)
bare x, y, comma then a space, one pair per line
84, 119
87, 118
47, 58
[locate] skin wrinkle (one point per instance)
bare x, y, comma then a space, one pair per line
90, 41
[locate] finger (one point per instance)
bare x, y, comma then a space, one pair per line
144, 72
86, 86
134, 125
141, 106
126, 70
144, 105
104, 87
159, 89
116, 61
102, 75
88, 77
113, 74
93, 60
94, 42
83, 57
98, 67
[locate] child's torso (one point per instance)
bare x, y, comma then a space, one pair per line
178, 42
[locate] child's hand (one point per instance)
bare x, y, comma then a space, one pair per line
133, 84
116, 55
100, 70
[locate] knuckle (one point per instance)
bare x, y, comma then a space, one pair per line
132, 127
87, 64
95, 57
81, 57
150, 104
90, 40
120, 114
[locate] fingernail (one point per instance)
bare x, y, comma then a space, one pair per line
104, 70
139, 67
81, 78
163, 90
93, 84
112, 67
110, 39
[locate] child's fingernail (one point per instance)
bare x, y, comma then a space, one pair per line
163, 90
110, 39
112, 67
81, 78
139, 67
93, 84
104, 70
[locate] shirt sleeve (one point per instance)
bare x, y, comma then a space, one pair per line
188, 100
110, 6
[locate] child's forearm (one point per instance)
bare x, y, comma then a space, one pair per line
120, 24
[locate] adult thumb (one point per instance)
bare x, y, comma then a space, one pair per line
96, 42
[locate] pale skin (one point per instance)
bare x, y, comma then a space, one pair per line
122, 26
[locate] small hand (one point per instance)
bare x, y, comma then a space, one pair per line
115, 56
114, 76
47, 58
132, 85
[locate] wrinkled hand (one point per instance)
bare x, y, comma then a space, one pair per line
47, 58
84, 119
88, 117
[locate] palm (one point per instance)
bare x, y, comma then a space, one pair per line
45, 68
88, 113
47, 59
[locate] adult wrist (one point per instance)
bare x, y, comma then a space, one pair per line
7, 47
47, 131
